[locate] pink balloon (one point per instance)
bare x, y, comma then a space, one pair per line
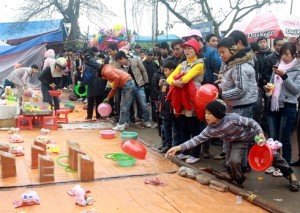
104, 109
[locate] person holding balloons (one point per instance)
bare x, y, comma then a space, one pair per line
184, 80
240, 132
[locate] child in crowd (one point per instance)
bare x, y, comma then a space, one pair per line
165, 110
239, 132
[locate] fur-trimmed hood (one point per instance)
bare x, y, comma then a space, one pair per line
244, 56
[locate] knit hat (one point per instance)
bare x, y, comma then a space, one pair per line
192, 43
217, 108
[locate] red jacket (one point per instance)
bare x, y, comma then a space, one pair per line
184, 98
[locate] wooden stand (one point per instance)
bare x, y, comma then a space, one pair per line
72, 144
85, 168
35, 152
73, 157
5, 147
41, 144
45, 168
8, 165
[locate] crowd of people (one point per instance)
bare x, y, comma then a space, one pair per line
259, 92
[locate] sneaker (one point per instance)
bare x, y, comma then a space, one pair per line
119, 127
270, 170
220, 156
147, 124
192, 160
182, 156
277, 173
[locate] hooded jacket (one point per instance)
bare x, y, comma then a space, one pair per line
238, 82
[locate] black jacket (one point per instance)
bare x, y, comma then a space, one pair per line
151, 68
155, 89
46, 79
271, 60
165, 109
96, 87
261, 59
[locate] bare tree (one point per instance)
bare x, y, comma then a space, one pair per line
70, 10
193, 11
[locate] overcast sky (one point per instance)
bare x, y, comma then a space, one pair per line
8, 10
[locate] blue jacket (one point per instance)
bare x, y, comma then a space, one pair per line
212, 61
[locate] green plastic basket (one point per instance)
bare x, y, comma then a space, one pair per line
129, 135
122, 159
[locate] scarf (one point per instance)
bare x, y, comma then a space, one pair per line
278, 84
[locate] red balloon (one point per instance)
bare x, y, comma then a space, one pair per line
206, 94
260, 157
135, 149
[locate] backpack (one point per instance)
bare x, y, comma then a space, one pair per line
88, 75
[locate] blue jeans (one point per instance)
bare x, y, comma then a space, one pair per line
281, 125
130, 92
53, 101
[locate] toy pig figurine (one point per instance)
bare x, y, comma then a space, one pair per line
274, 145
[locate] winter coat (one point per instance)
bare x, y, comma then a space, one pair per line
46, 79
151, 68
212, 62
155, 89
238, 81
96, 86
271, 60
139, 71
290, 88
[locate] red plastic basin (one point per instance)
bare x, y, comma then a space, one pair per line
260, 157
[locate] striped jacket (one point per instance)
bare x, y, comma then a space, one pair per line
231, 128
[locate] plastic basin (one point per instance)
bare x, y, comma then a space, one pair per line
134, 148
125, 135
126, 162
54, 93
260, 157
108, 134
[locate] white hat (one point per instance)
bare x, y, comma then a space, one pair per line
62, 64
193, 32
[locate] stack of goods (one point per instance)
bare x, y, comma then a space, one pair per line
36, 108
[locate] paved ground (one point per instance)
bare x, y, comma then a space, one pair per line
273, 189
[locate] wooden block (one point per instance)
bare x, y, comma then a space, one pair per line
85, 168
40, 144
72, 144
45, 168
8, 165
73, 157
5, 147
35, 152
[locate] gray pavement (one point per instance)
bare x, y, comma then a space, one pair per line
273, 189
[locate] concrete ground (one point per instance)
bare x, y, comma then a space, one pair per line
273, 189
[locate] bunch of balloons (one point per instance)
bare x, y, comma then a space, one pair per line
105, 36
